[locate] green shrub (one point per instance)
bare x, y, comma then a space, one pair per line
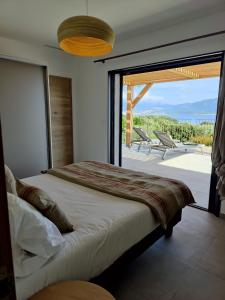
206, 140
138, 121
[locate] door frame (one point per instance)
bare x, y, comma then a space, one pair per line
7, 281
111, 117
214, 201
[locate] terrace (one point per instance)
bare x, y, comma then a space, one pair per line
192, 167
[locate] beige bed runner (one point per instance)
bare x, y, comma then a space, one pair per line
163, 196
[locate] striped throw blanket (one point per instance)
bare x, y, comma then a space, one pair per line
163, 196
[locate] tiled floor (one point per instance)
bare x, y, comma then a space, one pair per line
188, 266
194, 169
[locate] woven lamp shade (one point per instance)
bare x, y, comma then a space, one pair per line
85, 36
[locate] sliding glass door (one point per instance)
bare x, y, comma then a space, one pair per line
164, 123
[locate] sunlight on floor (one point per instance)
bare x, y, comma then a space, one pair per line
134, 154
190, 161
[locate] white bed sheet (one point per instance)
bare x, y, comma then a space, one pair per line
106, 226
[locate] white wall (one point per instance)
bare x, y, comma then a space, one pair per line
58, 62
92, 99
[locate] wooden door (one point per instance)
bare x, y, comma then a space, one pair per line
61, 120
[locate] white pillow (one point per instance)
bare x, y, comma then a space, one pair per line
25, 263
10, 181
31, 232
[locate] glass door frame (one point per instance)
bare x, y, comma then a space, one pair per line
214, 201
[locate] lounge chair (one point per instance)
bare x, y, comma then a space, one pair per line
167, 144
144, 139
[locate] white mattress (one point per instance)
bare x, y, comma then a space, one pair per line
106, 226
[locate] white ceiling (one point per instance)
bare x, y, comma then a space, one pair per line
37, 20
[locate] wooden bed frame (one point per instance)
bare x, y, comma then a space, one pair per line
106, 278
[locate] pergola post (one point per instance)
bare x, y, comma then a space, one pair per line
131, 103
129, 115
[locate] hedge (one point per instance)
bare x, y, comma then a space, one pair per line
180, 131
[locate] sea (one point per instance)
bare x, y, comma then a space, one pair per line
193, 118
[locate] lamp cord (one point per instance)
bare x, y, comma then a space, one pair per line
87, 7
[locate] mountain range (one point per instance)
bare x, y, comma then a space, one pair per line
200, 110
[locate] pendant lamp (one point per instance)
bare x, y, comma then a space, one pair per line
85, 36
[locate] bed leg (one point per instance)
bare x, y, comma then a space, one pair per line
169, 232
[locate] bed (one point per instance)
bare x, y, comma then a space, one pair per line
107, 229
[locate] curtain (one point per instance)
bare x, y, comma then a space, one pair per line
218, 150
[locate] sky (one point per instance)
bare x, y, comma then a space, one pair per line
178, 92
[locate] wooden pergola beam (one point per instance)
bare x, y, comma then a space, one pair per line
207, 70
186, 72
141, 94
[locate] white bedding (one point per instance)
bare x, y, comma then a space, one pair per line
106, 226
